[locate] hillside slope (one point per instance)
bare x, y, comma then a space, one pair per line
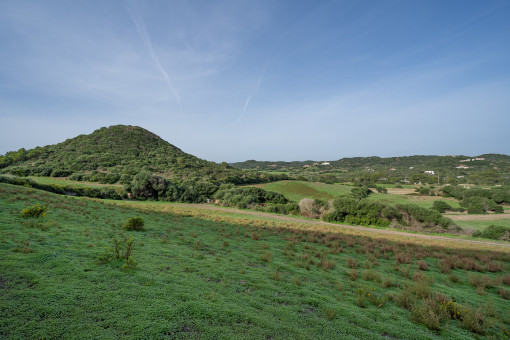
116, 150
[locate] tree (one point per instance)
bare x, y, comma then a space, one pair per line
147, 185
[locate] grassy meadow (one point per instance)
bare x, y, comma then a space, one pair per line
218, 277
297, 190
67, 181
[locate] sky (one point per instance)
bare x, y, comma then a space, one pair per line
265, 80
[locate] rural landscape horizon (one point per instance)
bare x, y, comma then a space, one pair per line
255, 170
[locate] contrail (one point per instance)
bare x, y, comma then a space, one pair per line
144, 36
257, 86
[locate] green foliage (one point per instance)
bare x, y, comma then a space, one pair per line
480, 205
35, 211
360, 192
108, 153
136, 223
494, 232
441, 206
92, 192
121, 249
242, 197
366, 212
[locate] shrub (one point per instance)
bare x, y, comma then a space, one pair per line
428, 313
494, 232
494, 267
506, 280
353, 274
121, 249
386, 282
422, 265
454, 278
331, 313
404, 299
136, 223
505, 293
474, 321
266, 257
36, 211
441, 206
371, 275
352, 263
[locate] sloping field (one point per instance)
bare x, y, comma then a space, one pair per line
297, 190
224, 275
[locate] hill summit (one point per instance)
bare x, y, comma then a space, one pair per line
110, 152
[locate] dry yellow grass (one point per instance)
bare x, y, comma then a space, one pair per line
266, 220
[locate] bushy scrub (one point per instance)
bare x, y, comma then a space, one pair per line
36, 211
441, 206
121, 249
313, 208
244, 197
494, 232
480, 205
365, 212
136, 223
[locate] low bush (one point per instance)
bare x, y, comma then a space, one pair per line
35, 211
494, 232
136, 223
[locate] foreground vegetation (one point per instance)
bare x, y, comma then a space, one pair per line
77, 270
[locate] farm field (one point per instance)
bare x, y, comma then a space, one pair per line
213, 275
297, 190
67, 181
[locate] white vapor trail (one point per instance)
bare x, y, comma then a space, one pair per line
144, 36
257, 86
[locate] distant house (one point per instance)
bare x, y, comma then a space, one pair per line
326, 163
411, 167
430, 172
465, 160
393, 169
479, 159
462, 166
306, 166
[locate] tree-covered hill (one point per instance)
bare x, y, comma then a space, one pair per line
111, 152
482, 169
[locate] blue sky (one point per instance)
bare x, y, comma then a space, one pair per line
266, 80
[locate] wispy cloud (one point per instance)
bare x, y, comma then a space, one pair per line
257, 86
144, 36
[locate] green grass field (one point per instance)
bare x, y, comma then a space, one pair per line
66, 181
479, 225
199, 278
297, 190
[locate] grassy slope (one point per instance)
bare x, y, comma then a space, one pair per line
67, 181
297, 190
196, 278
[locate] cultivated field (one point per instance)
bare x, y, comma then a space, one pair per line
213, 274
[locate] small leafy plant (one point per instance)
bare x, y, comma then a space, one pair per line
136, 223
35, 211
122, 249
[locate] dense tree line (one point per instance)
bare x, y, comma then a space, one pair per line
478, 200
365, 212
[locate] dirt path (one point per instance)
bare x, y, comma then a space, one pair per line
485, 217
285, 218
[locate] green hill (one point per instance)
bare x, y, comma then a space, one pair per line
108, 153
483, 169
